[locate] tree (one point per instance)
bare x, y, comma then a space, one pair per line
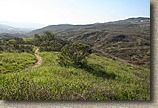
74, 54
48, 35
36, 36
37, 39
55, 45
18, 40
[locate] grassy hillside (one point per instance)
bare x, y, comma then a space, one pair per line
75, 71
102, 79
12, 62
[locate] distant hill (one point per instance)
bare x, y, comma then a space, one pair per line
11, 36
18, 27
58, 28
138, 19
127, 39
6, 28
2, 26
23, 25
13, 30
96, 26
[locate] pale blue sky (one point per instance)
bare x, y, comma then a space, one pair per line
72, 11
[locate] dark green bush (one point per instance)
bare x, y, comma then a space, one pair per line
74, 54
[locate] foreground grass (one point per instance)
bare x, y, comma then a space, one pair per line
11, 62
102, 79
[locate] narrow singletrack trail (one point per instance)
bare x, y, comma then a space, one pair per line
38, 63
39, 58
116, 58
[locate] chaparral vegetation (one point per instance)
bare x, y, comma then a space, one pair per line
107, 61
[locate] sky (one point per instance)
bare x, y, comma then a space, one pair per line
72, 11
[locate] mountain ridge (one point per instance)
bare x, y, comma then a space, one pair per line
70, 27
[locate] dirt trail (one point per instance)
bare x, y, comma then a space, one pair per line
38, 63
119, 59
115, 58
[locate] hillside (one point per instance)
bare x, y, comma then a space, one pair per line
9, 32
11, 36
6, 29
127, 39
103, 26
13, 30
103, 79
65, 70
23, 25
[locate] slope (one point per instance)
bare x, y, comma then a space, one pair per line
103, 79
127, 39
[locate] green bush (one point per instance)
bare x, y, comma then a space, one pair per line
74, 54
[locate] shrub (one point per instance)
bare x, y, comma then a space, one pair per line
74, 54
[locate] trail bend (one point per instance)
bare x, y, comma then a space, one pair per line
39, 58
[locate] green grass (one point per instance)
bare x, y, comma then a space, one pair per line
102, 79
11, 62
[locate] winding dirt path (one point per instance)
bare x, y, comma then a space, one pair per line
116, 58
38, 63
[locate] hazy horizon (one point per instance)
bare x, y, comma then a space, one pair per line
78, 12
80, 24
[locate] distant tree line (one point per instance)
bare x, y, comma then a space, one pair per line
48, 42
45, 41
